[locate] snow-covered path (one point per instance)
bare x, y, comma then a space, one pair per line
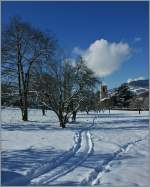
70, 164
98, 149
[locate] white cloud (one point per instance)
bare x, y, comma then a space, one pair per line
137, 39
104, 57
135, 79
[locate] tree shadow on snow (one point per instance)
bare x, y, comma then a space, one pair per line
11, 178
24, 161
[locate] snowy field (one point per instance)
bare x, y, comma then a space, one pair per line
99, 149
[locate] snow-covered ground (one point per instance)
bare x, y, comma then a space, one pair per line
99, 149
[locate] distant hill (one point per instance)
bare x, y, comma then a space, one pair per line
127, 94
139, 86
139, 83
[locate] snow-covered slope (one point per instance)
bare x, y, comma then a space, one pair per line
137, 87
138, 90
139, 83
108, 149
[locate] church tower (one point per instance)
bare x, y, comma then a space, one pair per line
103, 92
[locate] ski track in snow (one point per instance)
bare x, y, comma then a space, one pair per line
95, 176
84, 147
84, 151
49, 171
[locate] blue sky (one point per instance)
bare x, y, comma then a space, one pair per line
81, 24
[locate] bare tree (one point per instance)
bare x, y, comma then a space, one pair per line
86, 82
23, 47
89, 102
55, 89
137, 103
106, 103
61, 88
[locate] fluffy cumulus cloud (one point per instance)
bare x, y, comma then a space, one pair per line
135, 79
104, 57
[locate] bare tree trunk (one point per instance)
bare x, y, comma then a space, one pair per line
25, 114
62, 123
87, 110
74, 113
61, 119
43, 110
25, 109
